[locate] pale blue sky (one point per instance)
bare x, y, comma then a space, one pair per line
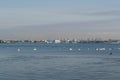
53, 19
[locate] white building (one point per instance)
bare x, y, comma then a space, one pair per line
57, 41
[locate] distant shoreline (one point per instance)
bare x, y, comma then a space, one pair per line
58, 41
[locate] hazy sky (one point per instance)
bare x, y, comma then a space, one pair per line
58, 19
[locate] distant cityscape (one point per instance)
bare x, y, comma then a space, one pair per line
57, 41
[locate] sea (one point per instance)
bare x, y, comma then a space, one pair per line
64, 61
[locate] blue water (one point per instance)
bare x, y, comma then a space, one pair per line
60, 61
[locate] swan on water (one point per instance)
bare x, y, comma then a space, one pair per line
70, 49
79, 49
102, 49
18, 49
35, 49
97, 49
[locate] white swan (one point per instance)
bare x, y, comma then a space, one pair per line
35, 49
18, 49
70, 49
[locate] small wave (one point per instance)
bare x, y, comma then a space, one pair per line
112, 59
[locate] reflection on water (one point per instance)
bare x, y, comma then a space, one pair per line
56, 62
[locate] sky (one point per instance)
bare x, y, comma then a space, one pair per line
59, 19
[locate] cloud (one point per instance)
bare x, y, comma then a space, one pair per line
107, 13
95, 12
24, 17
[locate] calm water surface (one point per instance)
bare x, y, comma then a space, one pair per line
60, 61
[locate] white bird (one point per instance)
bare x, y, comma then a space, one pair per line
70, 49
102, 49
97, 49
18, 49
79, 49
34, 49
